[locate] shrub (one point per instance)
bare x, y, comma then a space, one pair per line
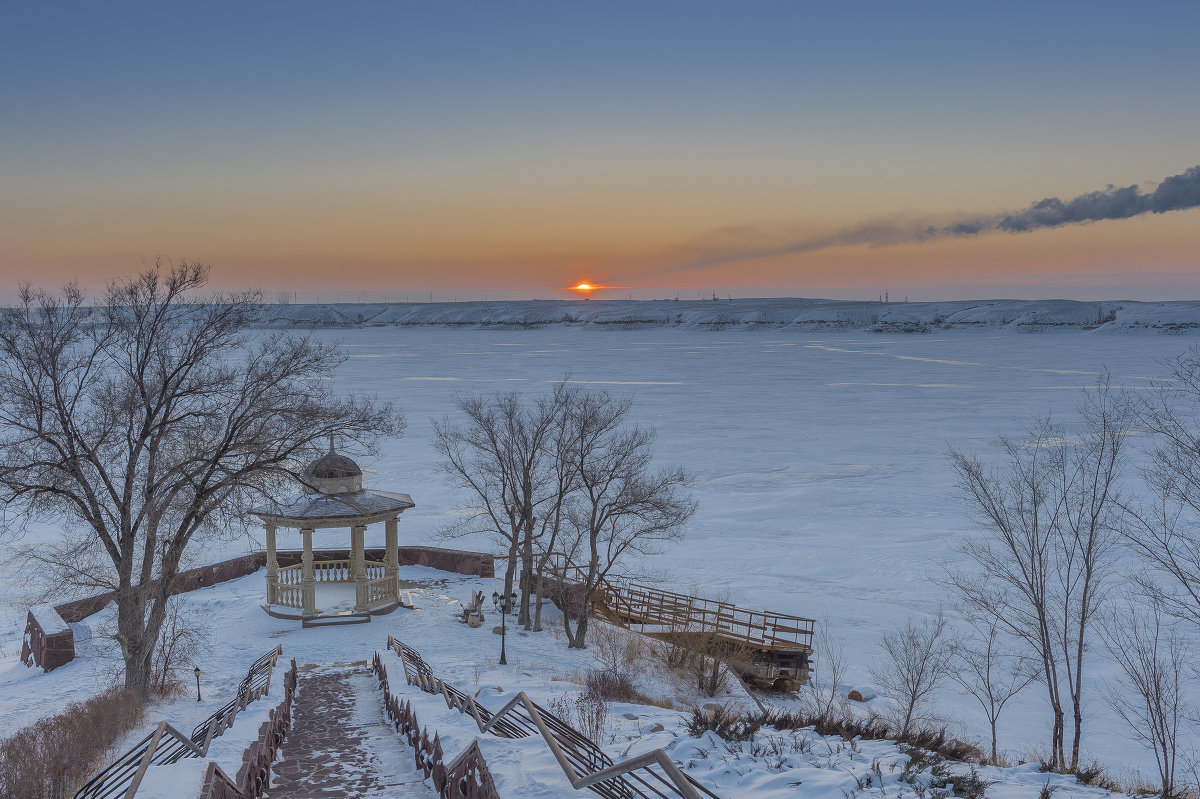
1095, 776
52, 757
728, 726
613, 687
1047, 791
972, 786
588, 714
618, 652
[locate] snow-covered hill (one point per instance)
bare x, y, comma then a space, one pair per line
894, 317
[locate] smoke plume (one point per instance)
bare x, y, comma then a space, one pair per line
1175, 193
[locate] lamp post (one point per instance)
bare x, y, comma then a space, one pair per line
501, 606
197, 669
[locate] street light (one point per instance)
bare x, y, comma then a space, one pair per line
197, 683
501, 605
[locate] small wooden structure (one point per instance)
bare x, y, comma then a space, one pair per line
338, 500
48, 641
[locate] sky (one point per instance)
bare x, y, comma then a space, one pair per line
454, 150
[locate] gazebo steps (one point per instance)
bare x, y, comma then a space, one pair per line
358, 617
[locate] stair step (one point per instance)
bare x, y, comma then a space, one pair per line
362, 617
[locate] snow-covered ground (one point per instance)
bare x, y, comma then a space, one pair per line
776, 764
820, 456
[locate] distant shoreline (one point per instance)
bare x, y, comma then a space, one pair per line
780, 313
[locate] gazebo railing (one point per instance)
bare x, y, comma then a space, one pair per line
288, 575
289, 596
330, 571
333, 571
378, 589
381, 590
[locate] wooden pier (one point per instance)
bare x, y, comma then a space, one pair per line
776, 648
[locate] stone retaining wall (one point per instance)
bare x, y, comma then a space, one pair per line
450, 560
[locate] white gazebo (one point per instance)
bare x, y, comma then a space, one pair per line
338, 501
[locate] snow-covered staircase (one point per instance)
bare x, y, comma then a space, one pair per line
341, 743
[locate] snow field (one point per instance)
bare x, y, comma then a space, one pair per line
821, 467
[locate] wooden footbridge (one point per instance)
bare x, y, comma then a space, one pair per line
774, 649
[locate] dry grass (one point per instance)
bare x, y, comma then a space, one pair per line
53, 757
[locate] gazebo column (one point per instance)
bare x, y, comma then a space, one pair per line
272, 564
391, 558
308, 582
358, 563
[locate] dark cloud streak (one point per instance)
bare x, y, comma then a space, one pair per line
1175, 193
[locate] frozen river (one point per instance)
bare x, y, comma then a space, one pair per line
821, 463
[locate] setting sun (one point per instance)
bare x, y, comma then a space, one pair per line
583, 287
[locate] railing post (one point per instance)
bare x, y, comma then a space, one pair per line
145, 764
358, 567
391, 560
272, 566
308, 589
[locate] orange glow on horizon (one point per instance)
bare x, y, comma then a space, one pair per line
587, 288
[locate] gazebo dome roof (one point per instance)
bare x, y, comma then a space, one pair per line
337, 510
333, 465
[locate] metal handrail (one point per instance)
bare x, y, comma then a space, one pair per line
583, 762
166, 745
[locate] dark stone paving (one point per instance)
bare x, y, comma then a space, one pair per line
341, 744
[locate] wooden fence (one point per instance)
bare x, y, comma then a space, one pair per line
652, 775
465, 778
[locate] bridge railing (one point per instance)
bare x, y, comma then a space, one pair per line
653, 775
648, 606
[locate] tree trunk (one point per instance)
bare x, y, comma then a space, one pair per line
1058, 755
137, 645
510, 572
579, 640
526, 577
537, 608
576, 639
1078, 735
995, 749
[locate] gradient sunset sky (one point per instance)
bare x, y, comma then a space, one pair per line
512, 149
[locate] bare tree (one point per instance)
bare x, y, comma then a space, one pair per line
915, 659
622, 505
1150, 697
1166, 532
554, 512
1052, 516
504, 455
832, 669
1093, 520
153, 419
1019, 513
986, 670
180, 642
